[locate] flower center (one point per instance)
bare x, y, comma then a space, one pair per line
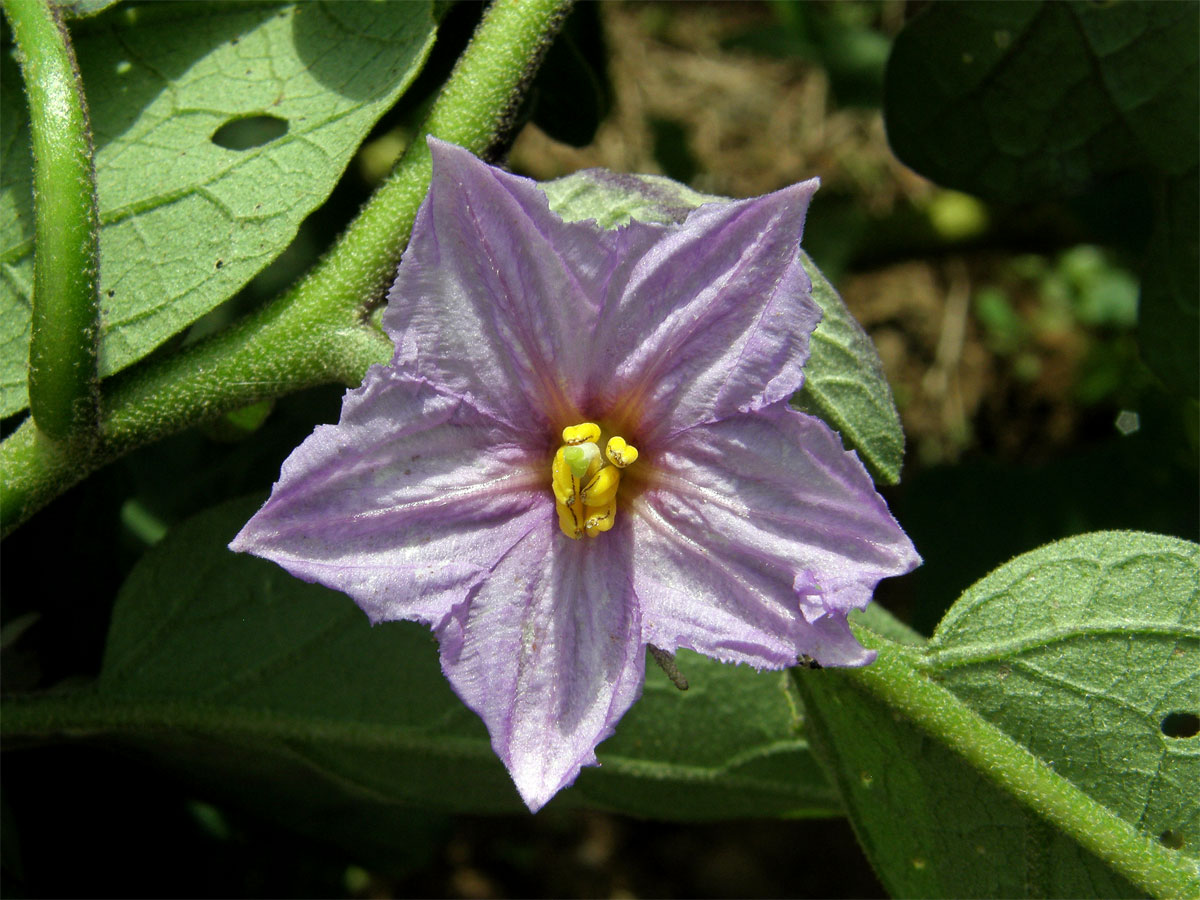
584, 484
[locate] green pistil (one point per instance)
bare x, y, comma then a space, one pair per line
577, 460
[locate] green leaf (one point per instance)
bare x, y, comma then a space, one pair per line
233, 673
81, 9
1081, 650
731, 746
883, 623
931, 825
844, 380
1087, 652
571, 93
1012, 101
1168, 314
845, 385
186, 221
613, 198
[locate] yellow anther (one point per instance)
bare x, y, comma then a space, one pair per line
563, 487
570, 526
579, 434
599, 520
619, 453
602, 489
584, 487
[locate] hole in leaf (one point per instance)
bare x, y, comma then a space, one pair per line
1172, 839
1181, 725
249, 132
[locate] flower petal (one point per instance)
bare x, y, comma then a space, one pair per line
548, 651
768, 519
706, 318
496, 296
405, 504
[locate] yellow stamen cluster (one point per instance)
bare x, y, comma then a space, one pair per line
585, 488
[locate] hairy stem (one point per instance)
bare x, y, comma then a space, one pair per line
316, 332
63, 382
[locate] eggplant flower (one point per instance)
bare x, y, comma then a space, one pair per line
583, 446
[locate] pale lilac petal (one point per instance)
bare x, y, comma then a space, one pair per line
496, 296
706, 318
548, 651
406, 503
776, 527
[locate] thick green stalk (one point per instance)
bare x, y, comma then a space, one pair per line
895, 679
63, 383
316, 332
473, 110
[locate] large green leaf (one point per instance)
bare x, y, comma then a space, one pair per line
931, 825
239, 676
1087, 651
1012, 101
187, 221
844, 380
1081, 650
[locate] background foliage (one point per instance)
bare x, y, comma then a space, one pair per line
170, 708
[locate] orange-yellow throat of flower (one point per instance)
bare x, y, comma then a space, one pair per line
585, 481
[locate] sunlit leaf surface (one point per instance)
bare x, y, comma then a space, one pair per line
1081, 650
217, 130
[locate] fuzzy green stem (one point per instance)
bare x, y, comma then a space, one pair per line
895, 679
473, 110
316, 332
63, 382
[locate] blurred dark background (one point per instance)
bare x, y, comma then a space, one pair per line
1007, 334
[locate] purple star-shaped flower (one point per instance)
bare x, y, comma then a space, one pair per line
742, 529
